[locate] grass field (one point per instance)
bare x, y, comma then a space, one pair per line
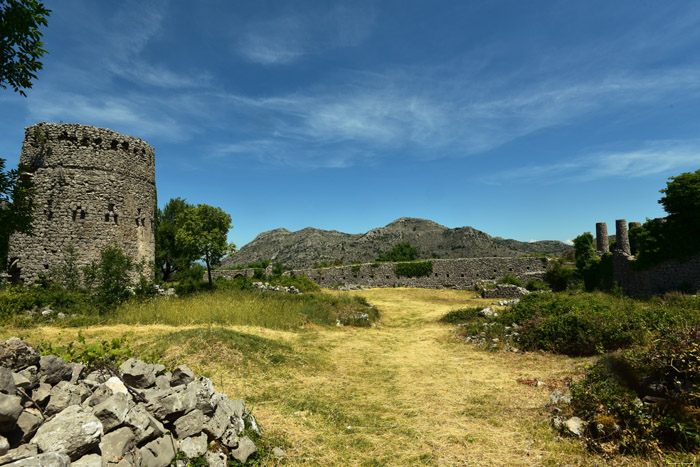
403, 392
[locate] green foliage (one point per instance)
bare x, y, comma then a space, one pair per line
190, 280
355, 269
107, 354
536, 285
676, 238
560, 276
169, 258
400, 252
586, 259
668, 369
113, 277
463, 315
16, 206
510, 279
201, 232
21, 48
414, 269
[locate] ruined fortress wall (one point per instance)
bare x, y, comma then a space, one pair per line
450, 273
94, 188
669, 275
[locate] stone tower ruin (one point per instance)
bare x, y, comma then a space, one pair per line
95, 188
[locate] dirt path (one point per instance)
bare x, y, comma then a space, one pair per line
407, 393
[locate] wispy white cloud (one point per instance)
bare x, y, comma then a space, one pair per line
653, 157
286, 38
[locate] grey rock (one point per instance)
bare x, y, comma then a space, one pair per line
97, 377
21, 382
116, 385
230, 438
487, 312
252, 423
22, 451
77, 370
182, 376
74, 431
27, 424
17, 355
215, 425
112, 411
246, 448
159, 452
10, 410
31, 374
194, 446
7, 381
144, 425
575, 426
138, 374
278, 452
101, 394
203, 390
88, 460
216, 459
189, 424
169, 405
41, 394
163, 381
4, 446
53, 369
65, 394
558, 398
116, 444
48, 459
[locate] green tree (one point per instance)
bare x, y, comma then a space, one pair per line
16, 206
677, 236
401, 252
586, 259
20, 42
201, 232
170, 258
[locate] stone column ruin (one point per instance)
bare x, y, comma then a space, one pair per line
622, 237
95, 188
601, 238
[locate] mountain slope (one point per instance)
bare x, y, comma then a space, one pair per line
305, 247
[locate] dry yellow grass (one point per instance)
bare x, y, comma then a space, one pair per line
402, 393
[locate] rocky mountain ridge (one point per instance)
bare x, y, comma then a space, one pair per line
305, 247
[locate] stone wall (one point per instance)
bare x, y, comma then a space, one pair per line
94, 188
449, 273
669, 275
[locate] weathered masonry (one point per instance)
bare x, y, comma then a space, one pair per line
669, 275
95, 188
449, 273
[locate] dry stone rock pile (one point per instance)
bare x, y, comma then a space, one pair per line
505, 291
53, 414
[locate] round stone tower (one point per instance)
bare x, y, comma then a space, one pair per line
95, 188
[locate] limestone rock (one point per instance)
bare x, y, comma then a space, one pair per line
65, 394
7, 381
74, 431
194, 446
216, 459
10, 410
27, 424
116, 444
159, 452
138, 374
190, 424
112, 411
245, 449
88, 460
53, 369
4, 446
17, 355
182, 375
575, 426
21, 452
48, 459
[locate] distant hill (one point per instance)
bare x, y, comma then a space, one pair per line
305, 247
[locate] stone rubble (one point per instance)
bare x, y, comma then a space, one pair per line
505, 291
53, 414
279, 288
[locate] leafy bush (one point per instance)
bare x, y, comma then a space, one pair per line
536, 285
510, 279
400, 252
190, 280
414, 269
666, 374
560, 276
463, 315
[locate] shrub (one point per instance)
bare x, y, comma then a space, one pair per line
414, 269
113, 277
536, 285
510, 279
463, 315
560, 276
400, 252
190, 280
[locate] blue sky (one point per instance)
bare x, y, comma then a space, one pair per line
527, 120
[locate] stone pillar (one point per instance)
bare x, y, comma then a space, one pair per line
635, 224
601, 238
623, 240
